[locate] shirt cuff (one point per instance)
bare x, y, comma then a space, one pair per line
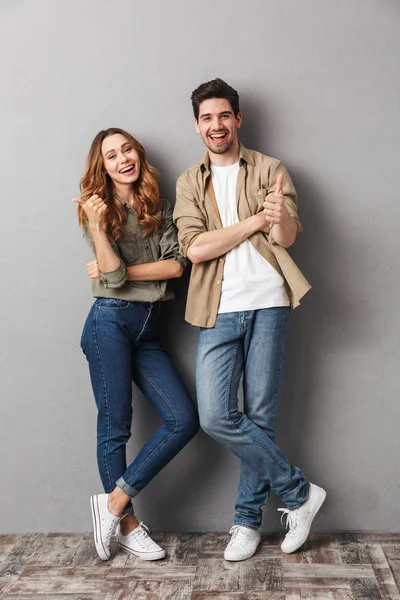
115, 279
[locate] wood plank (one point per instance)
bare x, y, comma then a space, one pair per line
187, 550
292, 593
384, 577
7, 583
7, 543
249, 595
316, 594
308, 571
151, 571
394, 565
320, 582
391, 550
175, 590
22, 553
260, 574
365, 589
343, 594
135, 590
216, 575
55, 596
56, 550
213, 545
322, 549
61, 580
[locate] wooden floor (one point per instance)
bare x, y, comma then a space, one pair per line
66, 567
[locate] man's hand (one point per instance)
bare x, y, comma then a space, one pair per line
93, 269
262, 222
274, 208
95, 209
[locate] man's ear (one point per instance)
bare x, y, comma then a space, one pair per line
238, 120
196, 124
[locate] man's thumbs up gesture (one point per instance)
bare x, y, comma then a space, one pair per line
274, 207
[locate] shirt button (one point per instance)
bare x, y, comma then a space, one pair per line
259, 192
218, 281
221, 260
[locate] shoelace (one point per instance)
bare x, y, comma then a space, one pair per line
112, 530
142, 534
291, 519
235, 530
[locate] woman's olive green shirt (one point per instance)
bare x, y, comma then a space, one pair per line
134, 249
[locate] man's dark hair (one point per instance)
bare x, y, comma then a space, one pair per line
216, 88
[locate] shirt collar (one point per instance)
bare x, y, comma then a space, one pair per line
244, 156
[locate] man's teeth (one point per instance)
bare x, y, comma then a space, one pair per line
218, 135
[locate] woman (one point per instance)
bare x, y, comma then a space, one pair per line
130, 230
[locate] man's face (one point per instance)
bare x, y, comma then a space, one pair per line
218, 125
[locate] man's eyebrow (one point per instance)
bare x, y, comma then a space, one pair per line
224, 112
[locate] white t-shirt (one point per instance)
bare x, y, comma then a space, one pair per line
249, 281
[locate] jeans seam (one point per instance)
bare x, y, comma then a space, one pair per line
104, 385
149, 310
166, 438
279, 378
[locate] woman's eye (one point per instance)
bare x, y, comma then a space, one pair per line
128, 149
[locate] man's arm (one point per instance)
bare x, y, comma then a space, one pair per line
212, 244
195, 241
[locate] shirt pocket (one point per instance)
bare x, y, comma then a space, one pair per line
259, 197
130, 248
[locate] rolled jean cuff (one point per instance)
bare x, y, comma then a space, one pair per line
252, 527
125, 487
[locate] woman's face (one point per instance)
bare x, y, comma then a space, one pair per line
121, 161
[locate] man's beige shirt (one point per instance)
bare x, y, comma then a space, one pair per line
195, 213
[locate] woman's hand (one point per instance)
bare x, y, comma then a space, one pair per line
93, 269
95, 209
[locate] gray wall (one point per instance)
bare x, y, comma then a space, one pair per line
319, 83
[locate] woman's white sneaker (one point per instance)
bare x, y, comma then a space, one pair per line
139, 543
300, 519
243, 544
104, 524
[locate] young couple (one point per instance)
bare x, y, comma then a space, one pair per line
235, 212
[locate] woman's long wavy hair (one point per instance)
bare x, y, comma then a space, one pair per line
97, 181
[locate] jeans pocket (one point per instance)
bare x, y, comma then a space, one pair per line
112, 304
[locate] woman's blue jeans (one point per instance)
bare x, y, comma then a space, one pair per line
121, 342
252, 344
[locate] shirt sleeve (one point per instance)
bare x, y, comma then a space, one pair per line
169, 246
288, 191
113, 279
188, 217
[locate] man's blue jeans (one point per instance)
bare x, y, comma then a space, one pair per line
251, 343
121, 342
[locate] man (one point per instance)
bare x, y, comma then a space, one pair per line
236, 212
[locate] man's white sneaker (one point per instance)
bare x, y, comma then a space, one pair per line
104, 524
300, 519
139, 543
243, 544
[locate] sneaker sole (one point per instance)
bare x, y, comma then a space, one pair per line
142, 556
313, 515
239, 558
97, 532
